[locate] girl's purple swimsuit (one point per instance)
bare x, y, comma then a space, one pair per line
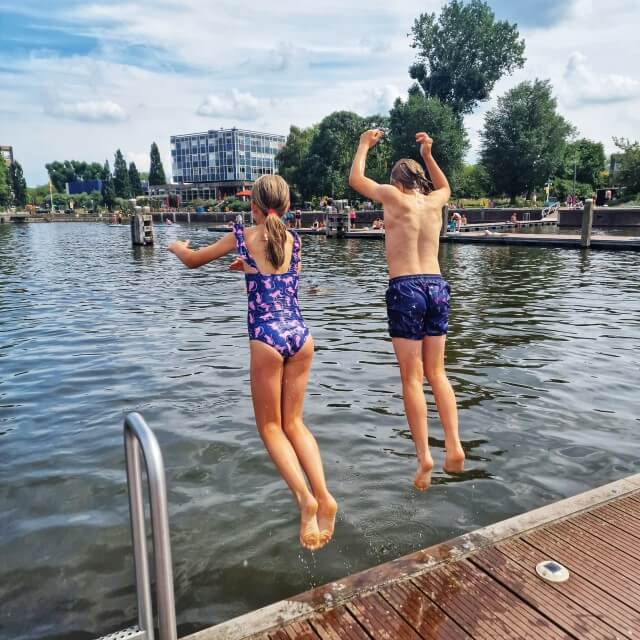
274, 315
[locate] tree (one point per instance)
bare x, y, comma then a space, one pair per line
18, 184
463, 53
524, 139
325, 170
134, 180
70, 170
156, 170
627, 165
292, 156
108, 188
588, 158
421, 113
472, 182
121, 177
5, 185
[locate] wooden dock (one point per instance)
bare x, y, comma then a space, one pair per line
484, 585
565, 241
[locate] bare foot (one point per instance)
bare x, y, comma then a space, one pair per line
309, 533
423, 475
454, 460
327, 519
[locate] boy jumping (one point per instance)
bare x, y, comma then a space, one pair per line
418, 296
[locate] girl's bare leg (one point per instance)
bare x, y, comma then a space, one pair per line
266, 391
433, 357
409, 356
294, 384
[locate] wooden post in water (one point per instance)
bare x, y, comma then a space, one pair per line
445, 221
587, 223
142, 229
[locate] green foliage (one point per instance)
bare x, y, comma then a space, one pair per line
18, 184
472, 182
156, 170
70, 170
5, 184
563, 187
463, 53
589, 159
628, 165
121, 176
291, 157
108, 188
134, 180
420, 113
524, 139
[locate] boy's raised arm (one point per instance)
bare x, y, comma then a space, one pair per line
357, 180
439, 180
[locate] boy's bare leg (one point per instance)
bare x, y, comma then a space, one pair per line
294, 384
409, 355
433, 358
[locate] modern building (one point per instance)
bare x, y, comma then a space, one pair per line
83, 186
223, 161
7, 154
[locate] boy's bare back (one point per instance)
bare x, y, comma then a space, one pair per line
412, 225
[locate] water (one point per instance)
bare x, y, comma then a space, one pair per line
542, 354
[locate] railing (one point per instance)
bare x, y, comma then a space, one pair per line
138, 435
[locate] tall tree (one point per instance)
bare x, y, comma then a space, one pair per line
5, 184
463, 53
627, 165
108, 188
524, 139
587, 158
292, 156
121, 177
18, 184
421, 113
134, 180
70, 170
472, 182
156, 170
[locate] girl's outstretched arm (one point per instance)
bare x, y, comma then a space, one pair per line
196, 258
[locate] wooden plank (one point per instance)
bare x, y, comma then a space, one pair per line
379, 619
338, 624
619, 519
429, 620
576, 616
483, 607
600, 572
598, 549
608, 532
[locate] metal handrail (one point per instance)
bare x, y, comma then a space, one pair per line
138, 435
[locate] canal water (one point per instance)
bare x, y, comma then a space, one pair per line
543, 355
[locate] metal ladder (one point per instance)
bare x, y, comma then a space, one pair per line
138, 435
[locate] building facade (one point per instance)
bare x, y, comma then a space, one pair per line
224, 159
6, 151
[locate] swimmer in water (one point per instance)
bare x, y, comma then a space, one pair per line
418, 296
281, 349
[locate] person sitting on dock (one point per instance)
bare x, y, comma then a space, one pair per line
281, 349
463, 220
456, 218
514, 218
316, 224
418, 296
378, 224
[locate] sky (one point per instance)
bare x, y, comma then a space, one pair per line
80, 79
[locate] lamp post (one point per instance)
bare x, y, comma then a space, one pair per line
575, 168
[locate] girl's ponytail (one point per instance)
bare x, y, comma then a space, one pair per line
276, 239
271, 195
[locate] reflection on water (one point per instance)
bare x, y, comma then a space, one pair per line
541, 355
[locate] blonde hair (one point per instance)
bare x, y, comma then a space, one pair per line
411, 175
271, 193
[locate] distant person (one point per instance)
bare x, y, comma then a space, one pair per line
316, 224
119, 218
352, 218
281, 349
418, 296
298, 217
457, 220
514, 218
463, 220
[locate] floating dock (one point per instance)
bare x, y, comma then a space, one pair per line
567, 241
484, 585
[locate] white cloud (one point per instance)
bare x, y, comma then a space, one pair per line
379, 100
90, 111
140, 158
233, 105
583, 85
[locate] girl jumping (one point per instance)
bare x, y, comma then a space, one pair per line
281, 349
